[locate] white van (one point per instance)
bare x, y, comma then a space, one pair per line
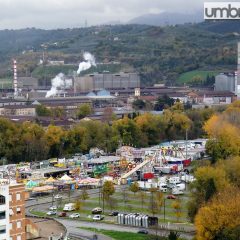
163, 187
69, 207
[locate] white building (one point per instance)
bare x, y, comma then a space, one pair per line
4, 211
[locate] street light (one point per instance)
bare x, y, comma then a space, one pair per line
164, 208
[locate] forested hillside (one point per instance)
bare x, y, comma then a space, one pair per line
160, 54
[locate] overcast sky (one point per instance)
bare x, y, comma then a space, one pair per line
49, 14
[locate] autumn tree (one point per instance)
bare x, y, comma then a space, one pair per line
134, 187
209, 180
177, 206
84, 194
55, 139
219, 218
108, 189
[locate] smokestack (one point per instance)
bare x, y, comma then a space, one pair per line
15, 82
238, 73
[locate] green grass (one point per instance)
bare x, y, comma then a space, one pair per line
5, 82
188, 76
38, 213
116, 235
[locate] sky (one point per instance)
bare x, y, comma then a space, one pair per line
50, 14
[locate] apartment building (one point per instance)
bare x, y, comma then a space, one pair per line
17, 212
12, 211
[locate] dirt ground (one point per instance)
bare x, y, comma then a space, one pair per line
48, 228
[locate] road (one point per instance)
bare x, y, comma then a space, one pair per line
74, 227
42, 204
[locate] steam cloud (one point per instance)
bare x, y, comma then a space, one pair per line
89, 61
58, 82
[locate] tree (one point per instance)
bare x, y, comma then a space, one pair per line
84, 110
142, 196
202, 188
108, 115
84, 195
176, 205
163, 103
138, 104
153, 207
43, 111
220, 216
173, 235
134, 187
108, 189
124, 194
210, 189
78, 204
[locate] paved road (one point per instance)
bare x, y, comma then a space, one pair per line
74, 227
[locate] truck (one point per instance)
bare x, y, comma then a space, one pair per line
68, 207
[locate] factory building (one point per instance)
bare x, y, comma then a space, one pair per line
225, 82
94, 82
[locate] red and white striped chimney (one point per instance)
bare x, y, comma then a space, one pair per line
15, 82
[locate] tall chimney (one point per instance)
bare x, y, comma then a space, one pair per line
15, 83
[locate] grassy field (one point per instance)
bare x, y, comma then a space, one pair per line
116, 235
5, 83
188, 76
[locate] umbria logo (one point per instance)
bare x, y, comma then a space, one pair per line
222, 10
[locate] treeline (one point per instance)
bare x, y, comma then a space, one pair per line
30, 141
214, 204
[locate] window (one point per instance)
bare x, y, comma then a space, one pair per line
2, 200
2, 229
10, 226
2, 215
19, 237
19, 224
10, 197
18, 210
18, 196
11, 212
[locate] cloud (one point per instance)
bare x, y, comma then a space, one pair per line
73, 13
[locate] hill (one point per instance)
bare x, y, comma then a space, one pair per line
160, 54
167, 18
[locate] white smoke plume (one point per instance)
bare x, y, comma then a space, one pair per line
57, 82
89, 61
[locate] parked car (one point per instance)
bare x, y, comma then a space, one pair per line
96, 210
114, 213
98, 217
51, 213
74, 215
62, 214
143, 231
171, 197
58, 196
53, 208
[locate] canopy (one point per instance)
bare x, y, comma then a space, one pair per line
88, 181
66, 178
31, 184
43, 189
50, 180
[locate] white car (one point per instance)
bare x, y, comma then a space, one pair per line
97, 218
53, 208
51, 213
57, 196
75, 215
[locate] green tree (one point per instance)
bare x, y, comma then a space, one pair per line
43, 111
84, 110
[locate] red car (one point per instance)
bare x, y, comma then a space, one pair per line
171, 197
